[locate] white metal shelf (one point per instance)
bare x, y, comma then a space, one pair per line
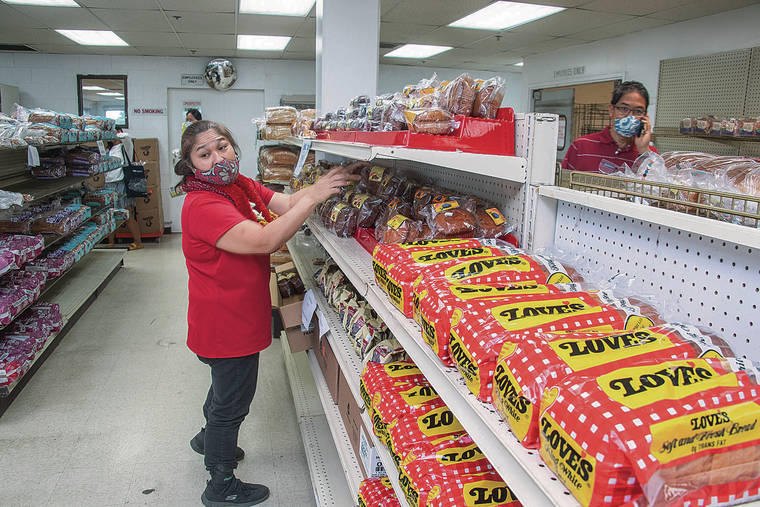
388, 464
499, 166
333, 479
522, 469
725, 231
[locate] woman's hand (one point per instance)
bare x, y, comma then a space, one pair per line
331, 182
642, 140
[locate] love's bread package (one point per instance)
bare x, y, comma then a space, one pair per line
527, 367
679, 432
377, 492
479, 328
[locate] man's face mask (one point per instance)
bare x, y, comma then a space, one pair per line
221, 173
627, 127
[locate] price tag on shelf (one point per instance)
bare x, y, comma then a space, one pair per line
308, 306
305, 147
324, 327
32, 156
102, 149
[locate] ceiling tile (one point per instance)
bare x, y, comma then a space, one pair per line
184, 21
150, 39
109, 4
447, 36
199, 5
301, 45
557, 3
699, 8
213, 52
162, 51
507, 41
87, 50
12, 18
255, 24
550, 45
308, 28
637, 8
433, 12
387, 5
34, 36
403, 32
616, 29
63, 17
208, 40
132, 19
570, 21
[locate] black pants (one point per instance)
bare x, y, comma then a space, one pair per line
233, 384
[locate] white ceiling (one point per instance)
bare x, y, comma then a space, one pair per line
209, 28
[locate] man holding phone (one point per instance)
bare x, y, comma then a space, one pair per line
623, 140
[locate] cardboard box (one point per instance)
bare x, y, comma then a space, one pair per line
284, 268
152, 174
350, 412
149, 203
146, 149
95, 182
368, 456
299, 340
329, 365
151, 220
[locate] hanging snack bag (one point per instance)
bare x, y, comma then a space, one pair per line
479, 328
527, 367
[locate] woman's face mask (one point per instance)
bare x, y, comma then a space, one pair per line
629, 126
224, 172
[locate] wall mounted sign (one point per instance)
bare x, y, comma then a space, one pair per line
149, 110
570, 72
192, 81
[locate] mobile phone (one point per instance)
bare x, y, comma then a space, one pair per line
641, 128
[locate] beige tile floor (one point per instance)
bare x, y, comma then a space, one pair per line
110, 413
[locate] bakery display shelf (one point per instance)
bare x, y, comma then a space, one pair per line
498, 166
725, 231
54, 239
330, 483
44, 145
85, 282
388, 464
521, 468
340, 342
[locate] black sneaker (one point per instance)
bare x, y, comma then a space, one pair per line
233, 493
198, 444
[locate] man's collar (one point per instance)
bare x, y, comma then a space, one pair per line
606, 137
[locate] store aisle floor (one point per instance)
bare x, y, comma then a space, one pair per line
107, 419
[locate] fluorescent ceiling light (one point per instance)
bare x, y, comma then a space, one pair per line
93, 88
94, 37
262, 42
44, 3
276, 7
504, 15
111, 94
416, 51
519, 64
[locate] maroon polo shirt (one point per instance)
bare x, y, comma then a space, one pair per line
585, 153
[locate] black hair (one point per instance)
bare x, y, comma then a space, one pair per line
629, 87
196, 114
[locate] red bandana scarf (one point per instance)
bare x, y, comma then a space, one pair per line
242, 193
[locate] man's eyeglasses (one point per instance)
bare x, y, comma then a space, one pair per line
627, 110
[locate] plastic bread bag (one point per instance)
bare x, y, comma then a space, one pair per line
422, 197
396, 206
390, 186
448, 219
393, 114
377, 492
480, 328
277, 155
702, 125
398, 229
347, 306
588, 354
372, 177
425, 86
729, 127
281, 115
677, 432
324, 272
491, 223
488, 97
433, 121
343, 220
368, 208
686, 125
459, 95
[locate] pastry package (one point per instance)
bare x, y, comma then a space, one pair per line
729, 127
430, 121
372, 177
479, 328
377, 492
277, 132
678, 432
276, 155
82, 156
434, 304
491, 223
396, 271
390, 186
449, 219
459, 95
304, 126
527, 367
368, 207
376, 378
488, 97
686, 126
276, 172
746, 127
702, 125
325, 210
398, 229
281, 115
393, 114
42, 133
16, 249
343, 220
393, 207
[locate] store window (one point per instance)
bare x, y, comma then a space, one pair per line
104, 96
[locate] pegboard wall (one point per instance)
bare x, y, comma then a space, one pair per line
702, 280
698, 85
687, 143
752, 101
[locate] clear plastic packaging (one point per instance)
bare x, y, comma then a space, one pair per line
398, 229
448, 219
393, 114
281, 115
343, 220
368, 208
277, 155
431, 121
686, 126
460, 95
703, 125
488, 97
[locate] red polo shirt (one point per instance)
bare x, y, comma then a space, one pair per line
228, 312
585, 153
